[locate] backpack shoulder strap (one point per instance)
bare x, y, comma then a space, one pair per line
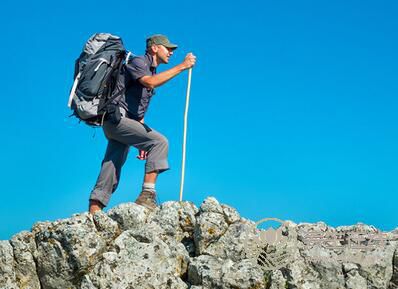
129, 56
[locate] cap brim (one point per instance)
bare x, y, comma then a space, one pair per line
171, 45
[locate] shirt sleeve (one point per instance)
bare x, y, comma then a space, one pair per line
137, 68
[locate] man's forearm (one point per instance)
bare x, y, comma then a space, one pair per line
161, 78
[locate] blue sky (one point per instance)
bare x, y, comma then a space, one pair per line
293, 110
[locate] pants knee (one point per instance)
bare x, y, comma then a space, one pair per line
163, 142
161, 146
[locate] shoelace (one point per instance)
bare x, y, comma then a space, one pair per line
152, 196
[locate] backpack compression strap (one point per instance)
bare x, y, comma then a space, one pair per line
72, 92
127, 57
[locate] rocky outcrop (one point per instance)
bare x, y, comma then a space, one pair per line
181, 246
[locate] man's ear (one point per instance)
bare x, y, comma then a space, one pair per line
154, 48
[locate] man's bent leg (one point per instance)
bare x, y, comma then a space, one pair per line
151, 177
133, 133
156, 163
108, 179
147, 197
149, 182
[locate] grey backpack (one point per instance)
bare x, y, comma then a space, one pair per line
97, 70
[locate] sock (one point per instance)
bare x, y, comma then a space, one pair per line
149, 187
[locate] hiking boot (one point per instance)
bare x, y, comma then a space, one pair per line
147, 199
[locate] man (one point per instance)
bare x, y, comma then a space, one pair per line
140, 79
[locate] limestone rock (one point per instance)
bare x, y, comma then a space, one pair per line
7, 267
142, 260
66, 250
129, 215
180, 246
210, 225
107, 228
231, 244
212, 272
205, 271
178, 221
394, 278
24, 247
230, 214
211, 205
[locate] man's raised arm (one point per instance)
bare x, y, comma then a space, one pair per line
161, 78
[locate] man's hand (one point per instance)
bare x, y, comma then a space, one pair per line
142, 155
189, 61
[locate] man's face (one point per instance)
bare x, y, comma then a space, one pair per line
164, 53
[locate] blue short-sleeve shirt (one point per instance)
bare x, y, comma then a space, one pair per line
137, 97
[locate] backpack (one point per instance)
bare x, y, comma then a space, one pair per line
96, 86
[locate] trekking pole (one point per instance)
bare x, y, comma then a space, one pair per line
185, 132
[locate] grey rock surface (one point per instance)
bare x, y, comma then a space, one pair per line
24, 247
180, 246
7, 266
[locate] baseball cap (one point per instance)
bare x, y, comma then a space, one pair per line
160, 39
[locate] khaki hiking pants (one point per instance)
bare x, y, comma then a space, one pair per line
120, 137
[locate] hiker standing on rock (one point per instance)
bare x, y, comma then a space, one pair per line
140, 79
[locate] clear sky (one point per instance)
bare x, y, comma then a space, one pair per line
293, 110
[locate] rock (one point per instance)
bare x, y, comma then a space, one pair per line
242, 275
205, 271
66, 250
7, 269
178, 221
353, 278
178, 246
107, 228
129, 215
377, 268
176, 218
394, 278
142, 260
210, 224
24, 247
212, 272
211, 205
359, 227
276, 280
231, 244
230, 214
